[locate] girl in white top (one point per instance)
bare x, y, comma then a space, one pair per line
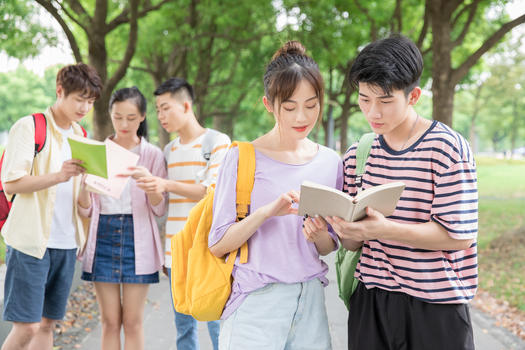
124, 251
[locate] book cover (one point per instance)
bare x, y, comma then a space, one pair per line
119, 160
317, 199
91, 152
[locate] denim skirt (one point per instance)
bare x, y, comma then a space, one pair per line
114, 260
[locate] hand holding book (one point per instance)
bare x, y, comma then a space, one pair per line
326, 201
104, 161
136, 172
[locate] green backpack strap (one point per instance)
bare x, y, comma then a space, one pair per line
361, 156
346, 261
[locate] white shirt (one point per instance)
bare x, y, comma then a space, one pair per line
122, 205
186, 164
62, 235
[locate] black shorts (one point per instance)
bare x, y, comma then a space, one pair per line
385, 320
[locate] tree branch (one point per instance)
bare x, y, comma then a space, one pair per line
397, 16
228, 79
424, 29
48, 6
123, 16
130, 49
172, 67
84, 26
373, 29
230, 112
137, 68
461, 71
78, 8
472, 11
231, 38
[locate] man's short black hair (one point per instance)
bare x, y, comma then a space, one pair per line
175, 86
394, 63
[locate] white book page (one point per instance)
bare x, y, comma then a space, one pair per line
382, 198
119, 160
317, 199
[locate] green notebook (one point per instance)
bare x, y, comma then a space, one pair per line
92, 153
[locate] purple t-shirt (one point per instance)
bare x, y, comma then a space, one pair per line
277, 251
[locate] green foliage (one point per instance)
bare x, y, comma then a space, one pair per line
494, 104
220, 48
21, 33
333, 33
22, 92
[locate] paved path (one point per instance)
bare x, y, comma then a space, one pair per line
160, 329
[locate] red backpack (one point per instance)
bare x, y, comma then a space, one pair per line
40, 140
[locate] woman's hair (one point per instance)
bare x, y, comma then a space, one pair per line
288, 67
80, 78
134, 95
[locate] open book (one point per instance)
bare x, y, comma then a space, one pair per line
105, 156
322, 200
92, 153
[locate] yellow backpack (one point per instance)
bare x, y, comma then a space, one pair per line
201, 282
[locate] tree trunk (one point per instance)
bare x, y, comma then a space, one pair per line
442, 89
515, 127
98, 59
102, 126
224, 124
330, 128
164, 136
442, 102
96, 28
345, 116
472, 135
475, 113
444, 76
343, 129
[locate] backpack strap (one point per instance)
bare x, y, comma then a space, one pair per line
245, 180
40, 131
208, 143
84, 132
40, 122
361, 156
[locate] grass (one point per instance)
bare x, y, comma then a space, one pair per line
498, 216
500, 178
501, 238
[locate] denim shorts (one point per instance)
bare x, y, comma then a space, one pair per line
36, 288
279, 316
114, 260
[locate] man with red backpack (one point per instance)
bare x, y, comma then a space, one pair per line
43, 230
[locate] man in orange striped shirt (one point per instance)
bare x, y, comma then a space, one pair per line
193, 160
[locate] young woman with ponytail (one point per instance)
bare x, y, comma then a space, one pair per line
277, 299
124, 251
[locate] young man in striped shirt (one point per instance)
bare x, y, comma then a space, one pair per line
418, 268
193, 160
